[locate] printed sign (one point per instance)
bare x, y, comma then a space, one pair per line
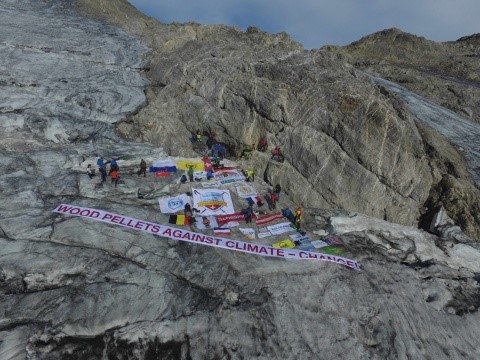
319, 244
248, 232
235, 217
300, 238
205, 222
212, 201
170, 205
246, 191
225, 177
281, 228
197, 238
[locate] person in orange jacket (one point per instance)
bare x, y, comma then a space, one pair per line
115, 174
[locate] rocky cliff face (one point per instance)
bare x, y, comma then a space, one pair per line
447, 73
349, 144
76, 289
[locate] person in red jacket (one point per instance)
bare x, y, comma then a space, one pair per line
263, 144
273, 198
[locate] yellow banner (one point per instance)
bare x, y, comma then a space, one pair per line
284, 244
185, 164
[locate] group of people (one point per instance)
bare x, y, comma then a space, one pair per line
191, 175
114, 171
296, 217
273, 196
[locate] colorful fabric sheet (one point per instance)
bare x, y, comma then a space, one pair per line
179, 220
163, 166
269, 218
197, 165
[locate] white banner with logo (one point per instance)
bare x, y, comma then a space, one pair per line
319, 244
192, 237
171, 205
281, 228
248, 232
212, 201
205, 222
225, 177
246, 191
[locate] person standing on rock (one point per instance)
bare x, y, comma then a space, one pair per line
102, 170
190, 173
248, 213
90, 171
210, 174
115, 175
278, 189
250, 176
114, 165
298, 217
273, 198
100, 162
198, 136
187, 209
143, 168
263, 144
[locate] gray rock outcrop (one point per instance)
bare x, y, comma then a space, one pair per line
71, 288
446, 73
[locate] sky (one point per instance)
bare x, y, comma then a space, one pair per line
315, 23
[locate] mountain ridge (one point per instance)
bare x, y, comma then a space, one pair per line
77, 89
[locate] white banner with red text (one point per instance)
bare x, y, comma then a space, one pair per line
190, 236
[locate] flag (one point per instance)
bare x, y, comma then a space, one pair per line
222, 231
179, 220
254, 200
269, 218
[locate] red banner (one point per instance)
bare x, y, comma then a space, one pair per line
224, 219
